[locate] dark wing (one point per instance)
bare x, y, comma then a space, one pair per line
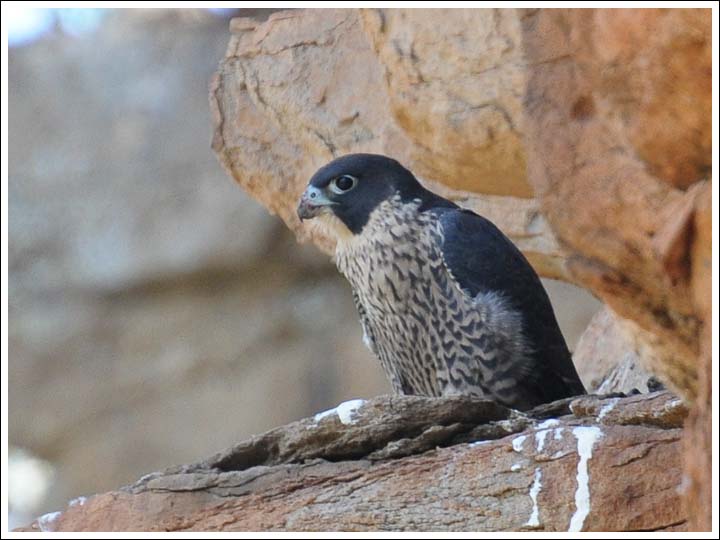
482, 259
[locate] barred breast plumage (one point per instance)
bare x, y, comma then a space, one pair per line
430, 336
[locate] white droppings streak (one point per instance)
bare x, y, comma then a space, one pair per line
80, 501
345, 411
609, 406
534, 519
544, 428
518, 442
551, 422
319, 416
684, 485
540, 439
45, 522
147, 477
516, 467
586, 437
672, 404
478, 443
558, 434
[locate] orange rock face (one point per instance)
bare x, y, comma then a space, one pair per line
653, 68
612, 201
306, 86
618, 128
455, 82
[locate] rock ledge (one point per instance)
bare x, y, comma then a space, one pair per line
413, 463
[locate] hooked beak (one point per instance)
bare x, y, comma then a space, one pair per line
313, 203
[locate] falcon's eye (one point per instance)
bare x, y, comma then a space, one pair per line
343, 183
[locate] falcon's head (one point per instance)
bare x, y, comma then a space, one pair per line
346, 191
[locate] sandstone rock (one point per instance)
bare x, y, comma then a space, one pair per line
699, 430
653, 68
456, 80
607, 190
618, 129
609, 465
292, 93
607, 359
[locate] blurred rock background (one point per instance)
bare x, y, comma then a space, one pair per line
156, 313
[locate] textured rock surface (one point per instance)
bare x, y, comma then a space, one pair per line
456, 81
292, 92
422, 464
698, 434
610, 198
607, 357
618, 124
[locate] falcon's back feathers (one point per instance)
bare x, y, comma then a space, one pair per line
482, 259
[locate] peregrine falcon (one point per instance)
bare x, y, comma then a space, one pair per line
447, 303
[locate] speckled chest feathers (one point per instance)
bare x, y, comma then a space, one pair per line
431, 337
